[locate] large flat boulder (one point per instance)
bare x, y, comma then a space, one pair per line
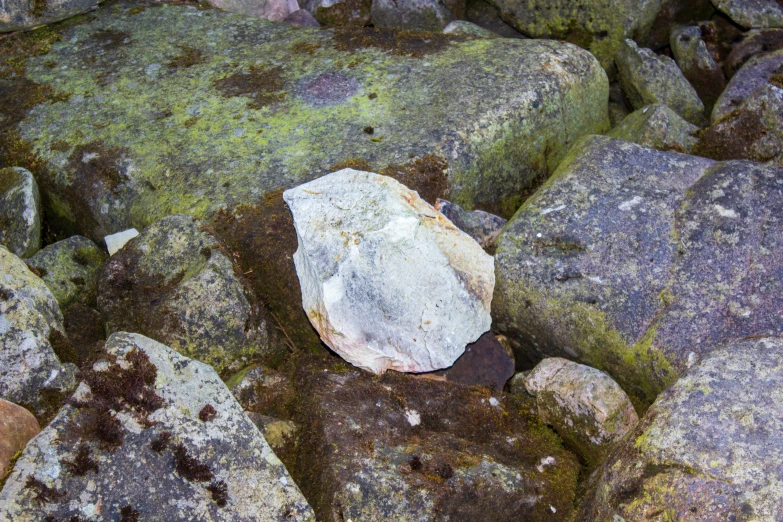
639, 262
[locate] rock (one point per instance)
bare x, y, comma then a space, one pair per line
302, 18
481, 226
416, 15
752, 13
176, 283
17, 427
657, 127
387, 281
619, 106
355, 13
635, 262
583, 405
20, 212
264, 391
276, 106
698, 64
756, 73
398, 447
158, 418
752, 131
18, 15
31, 329
86, 332
469, 29
671, 13
488, 17
516, 385
276, 10
756, 42
485, 363
114, 242
648, 78
707, 449
70, 269
279, 434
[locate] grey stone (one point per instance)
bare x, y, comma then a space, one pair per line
30, 325
182, 475
70, 269
486, 15
753, 43
752, 13
657, 127
619, 107
302, 18
16, 15
276, 10
481, 226
20, 212
416, 15
469, 29
648, 78
756, 73
707, 449
339, 12
635, 262
698, 64
177, 284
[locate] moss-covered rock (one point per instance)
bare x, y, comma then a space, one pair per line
757, 72
657, 127
16, 15
330, 13
70, 269
752, 13
698, 64
637, 262
708, 449
178, 284
466, 28
416, 15
20, 212
753, 43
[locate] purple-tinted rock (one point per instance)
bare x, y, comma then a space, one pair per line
302, 18
754, 74
484, 363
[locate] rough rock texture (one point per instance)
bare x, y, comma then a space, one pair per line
752, 13
698, 64
648, 78
469, 29
388, 282
487, 16
302, 18
638, 262
404, 448
583, 405
481, 226
756, 73
189, 97
177, 284
708, 449
20, 212
756, 42
70, 269
598, 25
17, 427
263, 390
657, 127
485, 363
157, 418
354, 13
16, 15
31, 329
276, 10
416, 15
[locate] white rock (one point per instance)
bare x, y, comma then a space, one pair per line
114, 242
388, 282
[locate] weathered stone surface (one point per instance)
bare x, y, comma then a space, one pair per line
388, 282
339, 12
264, 391
619, 106
485, 363
416, 15
302, 18
708, 449
20, 212
17, 427
404, 448
698, 64
756, 42
485, 15
279, 434
481, 226
276, 10
86, 332
657, 127
756, 73
31, 328
157, 418
469, 29
648, 78
177, 284
70, 269
637, 262
584, 406
16, 15
752, 13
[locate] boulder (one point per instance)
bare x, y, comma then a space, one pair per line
302, 18
70, 269
177, 284
355, 13
753, 43
150, 416
755, 74
20, 212
17, 427
707, 449
485, 363
638, 262
18, 15
752, 13
264, 391
276, 10
466, 28
648, 78
387, 281
399, 447
657, 127
481, 226
252, 107
583, 405
31, 329
487, 16
698, 64
416, 15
